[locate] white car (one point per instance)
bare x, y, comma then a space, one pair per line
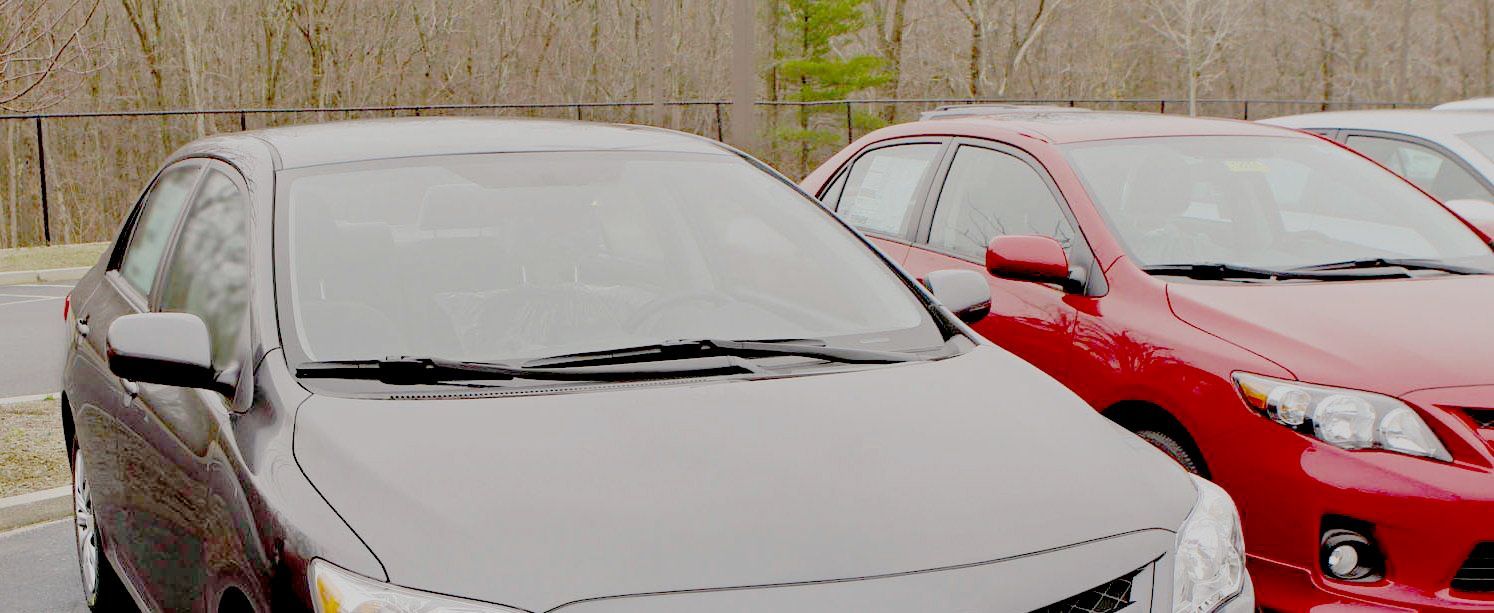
1447, 153
1471, 104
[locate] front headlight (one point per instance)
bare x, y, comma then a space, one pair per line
1210, 562
335, 590
1350, 419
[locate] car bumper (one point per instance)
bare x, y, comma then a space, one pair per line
1426, 518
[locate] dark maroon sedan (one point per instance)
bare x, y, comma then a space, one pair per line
477, 365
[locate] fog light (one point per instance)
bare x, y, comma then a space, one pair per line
1348, 555
1342, 560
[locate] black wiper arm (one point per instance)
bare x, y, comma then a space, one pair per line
412, 370
708, 347
1231, 271
1406, 263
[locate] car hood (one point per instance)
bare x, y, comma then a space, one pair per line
1390, 336
539, 500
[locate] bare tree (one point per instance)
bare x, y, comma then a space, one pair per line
45, 51
1197, 30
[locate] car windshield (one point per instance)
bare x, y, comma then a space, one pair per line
1261, 201
505, 257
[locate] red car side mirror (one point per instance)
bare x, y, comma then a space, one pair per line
1028, 258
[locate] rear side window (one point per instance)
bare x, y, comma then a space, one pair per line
881, 188
209, 271
163, 204
1428, 168
989, 194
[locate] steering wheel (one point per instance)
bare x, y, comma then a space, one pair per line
651, 311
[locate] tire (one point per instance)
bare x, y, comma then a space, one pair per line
102, 588
1175, 448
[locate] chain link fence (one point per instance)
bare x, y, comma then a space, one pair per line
69, 177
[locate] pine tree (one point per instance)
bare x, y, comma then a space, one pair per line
808, 65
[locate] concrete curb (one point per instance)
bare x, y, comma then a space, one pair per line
31, 398
50, 275
36, 507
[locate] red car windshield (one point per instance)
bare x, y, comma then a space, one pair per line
1266, 202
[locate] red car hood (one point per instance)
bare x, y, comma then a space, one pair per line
1392, 336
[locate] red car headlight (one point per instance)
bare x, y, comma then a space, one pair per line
1350, 419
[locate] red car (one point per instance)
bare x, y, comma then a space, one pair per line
1274, 311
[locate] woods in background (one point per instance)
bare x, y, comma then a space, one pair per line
101, 55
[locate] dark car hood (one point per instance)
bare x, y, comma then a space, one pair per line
1391, 336
536, 501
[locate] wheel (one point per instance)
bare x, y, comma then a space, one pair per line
102, 589
1175, 448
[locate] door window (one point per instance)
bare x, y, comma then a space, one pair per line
882, 186
1428, 168
209, 271
163, 205
989, 193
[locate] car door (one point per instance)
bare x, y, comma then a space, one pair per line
170, 429
1434, 169
985, 189
100, 400
881, 190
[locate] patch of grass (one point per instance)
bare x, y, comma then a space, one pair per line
32, 454
56, 256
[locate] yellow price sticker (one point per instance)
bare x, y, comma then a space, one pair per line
1246, 166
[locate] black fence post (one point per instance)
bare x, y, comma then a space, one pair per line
1162, 107
719, 132
850, 125
1247, 111
41, 167
578, 112
243, 122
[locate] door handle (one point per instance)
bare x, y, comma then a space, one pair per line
130, 387
83, 326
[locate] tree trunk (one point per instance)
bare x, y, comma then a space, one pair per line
15, 180
977, 33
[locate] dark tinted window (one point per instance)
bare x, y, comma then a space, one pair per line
209, 271
989, 194
148, 237
882, 186
1428, 168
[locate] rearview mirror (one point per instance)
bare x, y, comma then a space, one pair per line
1477, 213
1028, 258
964, 292
163, 348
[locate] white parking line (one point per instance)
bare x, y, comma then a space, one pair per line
5, 304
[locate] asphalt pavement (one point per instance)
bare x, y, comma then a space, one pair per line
39, 570
32, 339
38, 565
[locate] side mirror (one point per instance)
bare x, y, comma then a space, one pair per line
163, 348
1477, 213
964, 292
1029, 258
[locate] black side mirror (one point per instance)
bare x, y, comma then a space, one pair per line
163, 348
964, 292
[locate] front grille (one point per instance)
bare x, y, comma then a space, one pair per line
1477, 574
1107, 598
1483, 418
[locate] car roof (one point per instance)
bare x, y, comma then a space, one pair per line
1064, 125
376, 139
1470, 104
1416, 122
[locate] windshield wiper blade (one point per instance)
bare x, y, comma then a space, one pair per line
405, 370
1232, 271
709, 347
1406, 263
